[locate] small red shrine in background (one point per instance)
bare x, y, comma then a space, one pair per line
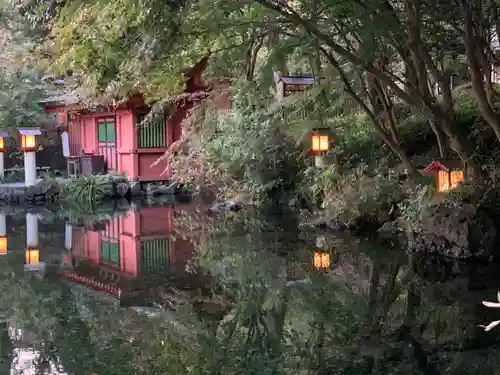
449, 173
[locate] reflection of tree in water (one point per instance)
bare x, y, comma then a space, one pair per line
6, 347
432, 325
374, 312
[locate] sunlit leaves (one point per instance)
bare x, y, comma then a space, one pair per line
21, 86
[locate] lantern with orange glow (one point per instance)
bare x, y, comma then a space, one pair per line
321, 259
32, 256
3, 245
448, 173
320, 140
28, 139
3, 135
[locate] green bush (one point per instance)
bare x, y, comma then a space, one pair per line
89, 190
360, 192
252, 149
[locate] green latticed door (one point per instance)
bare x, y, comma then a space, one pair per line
110, 252
153, 134
106, 141
154, 256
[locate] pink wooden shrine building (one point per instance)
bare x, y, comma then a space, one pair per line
112, 131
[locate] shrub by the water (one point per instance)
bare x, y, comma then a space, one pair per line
90, 190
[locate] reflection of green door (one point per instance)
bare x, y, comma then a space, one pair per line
110, 252
154, 256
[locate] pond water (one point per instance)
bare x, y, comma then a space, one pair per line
168, 289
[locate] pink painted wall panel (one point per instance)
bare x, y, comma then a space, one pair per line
128, 224
129, 251
75, 137
78, 243
125, 124
152, 173
89, 135
92, 247
127, 165
155, 220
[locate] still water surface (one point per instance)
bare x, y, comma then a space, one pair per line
171, 290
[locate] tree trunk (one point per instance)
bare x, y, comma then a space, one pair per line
387, 138
477, 79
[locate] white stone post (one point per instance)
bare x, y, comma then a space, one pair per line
3, 225
321, 242
31, 231
2, 165
319, 161
30, 168
68, 236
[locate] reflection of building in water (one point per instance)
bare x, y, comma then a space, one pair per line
128, 254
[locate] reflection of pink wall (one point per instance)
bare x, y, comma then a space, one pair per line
147, 224
92, 247
78, 243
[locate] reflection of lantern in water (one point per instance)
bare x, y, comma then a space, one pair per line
3, 234
32, 252
68, 236
3, 245
67, 259
32, 256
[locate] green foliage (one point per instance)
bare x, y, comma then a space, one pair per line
358, 192
89, 191
419, 197
250, 149
21, 84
